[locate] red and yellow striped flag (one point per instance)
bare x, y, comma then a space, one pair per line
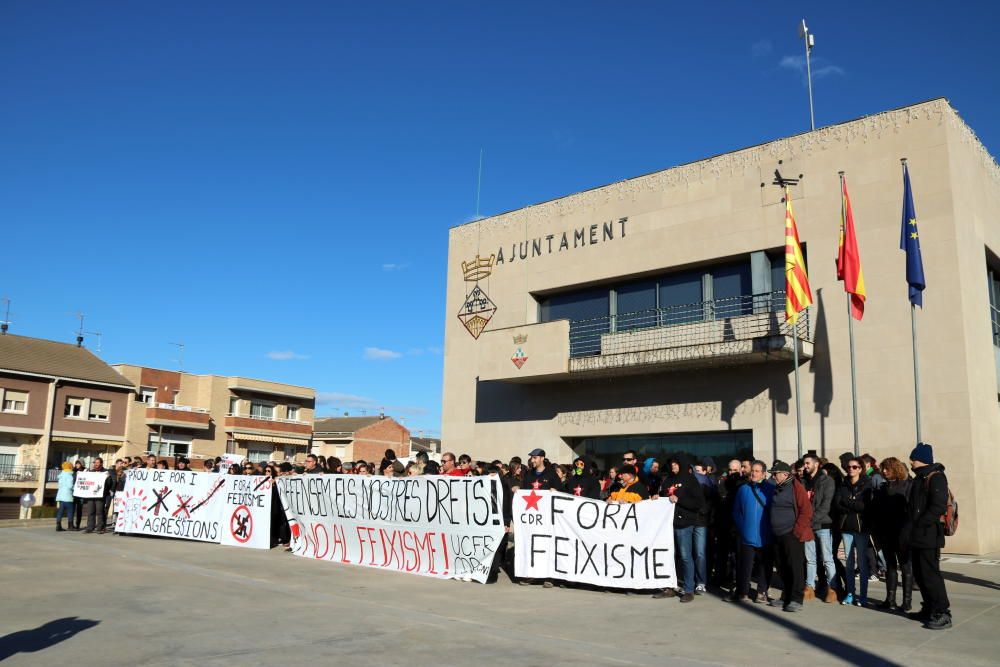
848, 257
798, 296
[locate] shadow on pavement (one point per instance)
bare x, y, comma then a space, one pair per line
42, 637
845, 650
972, 581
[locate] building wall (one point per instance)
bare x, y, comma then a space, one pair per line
370, 442
718, 208
115, 426
38, 397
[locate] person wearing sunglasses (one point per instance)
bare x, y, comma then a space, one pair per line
853, 498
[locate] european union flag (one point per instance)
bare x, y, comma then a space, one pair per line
909, 240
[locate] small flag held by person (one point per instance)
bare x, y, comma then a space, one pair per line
798, 296
909, 240
848, 258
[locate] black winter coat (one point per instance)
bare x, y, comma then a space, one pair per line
928, 502
890, 511
853, 502
689, 510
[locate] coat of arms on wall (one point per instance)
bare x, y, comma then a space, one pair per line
478, 308
519, 356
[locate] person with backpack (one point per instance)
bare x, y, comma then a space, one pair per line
931, 513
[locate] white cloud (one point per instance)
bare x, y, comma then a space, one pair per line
388, 268
353, 402
820, 67
286, 355
419, 351
435, 349
378, 354
760, 48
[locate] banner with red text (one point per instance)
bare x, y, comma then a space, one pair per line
436, 526
611, 545
246, 511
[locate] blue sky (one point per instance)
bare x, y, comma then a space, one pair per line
272, 183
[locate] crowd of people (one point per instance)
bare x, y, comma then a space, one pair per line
733, 526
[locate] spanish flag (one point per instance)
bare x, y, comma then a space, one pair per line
848, 257
798, 296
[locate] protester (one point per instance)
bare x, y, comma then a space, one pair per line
791, 525
64, 497
77, 516
725, 532
649, 475
312, 465
684, 490
632, 490
751, 516
390, 461
923, 535
449, 466
853, 499
821, 489
889, 513
581, 482
209, 465
538, 475
95, 506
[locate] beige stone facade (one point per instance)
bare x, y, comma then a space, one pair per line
721, 381
205, 416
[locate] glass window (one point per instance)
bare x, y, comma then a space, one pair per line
261, 410
636, 306
589, 315
777, 283
148, 396
99, 410
74, 407
293, 412
681, 298
259, 453
234, 406
14, 401
731, 286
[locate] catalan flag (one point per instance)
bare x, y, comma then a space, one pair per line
798, 296
848, 257
909, 240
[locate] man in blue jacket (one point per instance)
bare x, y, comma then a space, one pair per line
751, 516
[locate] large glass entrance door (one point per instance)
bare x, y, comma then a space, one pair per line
606, 451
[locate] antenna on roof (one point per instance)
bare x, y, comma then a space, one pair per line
5, 322
98, 334
180, 356
79, 333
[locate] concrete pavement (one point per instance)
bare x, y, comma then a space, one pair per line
106, 600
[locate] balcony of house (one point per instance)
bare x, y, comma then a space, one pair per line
731, 331
268, 425
177, 416
19, 475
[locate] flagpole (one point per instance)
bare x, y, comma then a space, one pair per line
913, 342
850, 336
798, 407
916, 368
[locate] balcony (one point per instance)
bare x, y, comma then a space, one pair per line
177, 416
732, 331
19, 475
268, 426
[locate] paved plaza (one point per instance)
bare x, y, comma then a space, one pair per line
75, 599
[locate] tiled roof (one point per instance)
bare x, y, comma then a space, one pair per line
48, 357
343, 424
426, 444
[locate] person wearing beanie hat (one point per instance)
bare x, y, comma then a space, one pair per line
923, 535
649, 475
64, 496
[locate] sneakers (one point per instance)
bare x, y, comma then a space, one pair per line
808, 593
939, 622
665, 593
775, 602
831, 595
793, 606
848, 600
688, 597
699, 589
873, 577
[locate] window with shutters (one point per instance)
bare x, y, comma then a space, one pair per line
15, 401
99, 410
74, 407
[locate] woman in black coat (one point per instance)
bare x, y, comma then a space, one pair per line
889, 512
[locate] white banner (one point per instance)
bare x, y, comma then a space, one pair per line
559, 536
90, 484
172, 503
436, 526
246, 511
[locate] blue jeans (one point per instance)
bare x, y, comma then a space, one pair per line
684, 542
65, 507
825, 538
855, 545
700, 562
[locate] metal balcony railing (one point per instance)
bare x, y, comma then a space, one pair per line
995, 321
706, 322
13, 473
179, 408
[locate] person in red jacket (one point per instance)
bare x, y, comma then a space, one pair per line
791, 524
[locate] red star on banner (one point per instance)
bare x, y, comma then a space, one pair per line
532, 500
